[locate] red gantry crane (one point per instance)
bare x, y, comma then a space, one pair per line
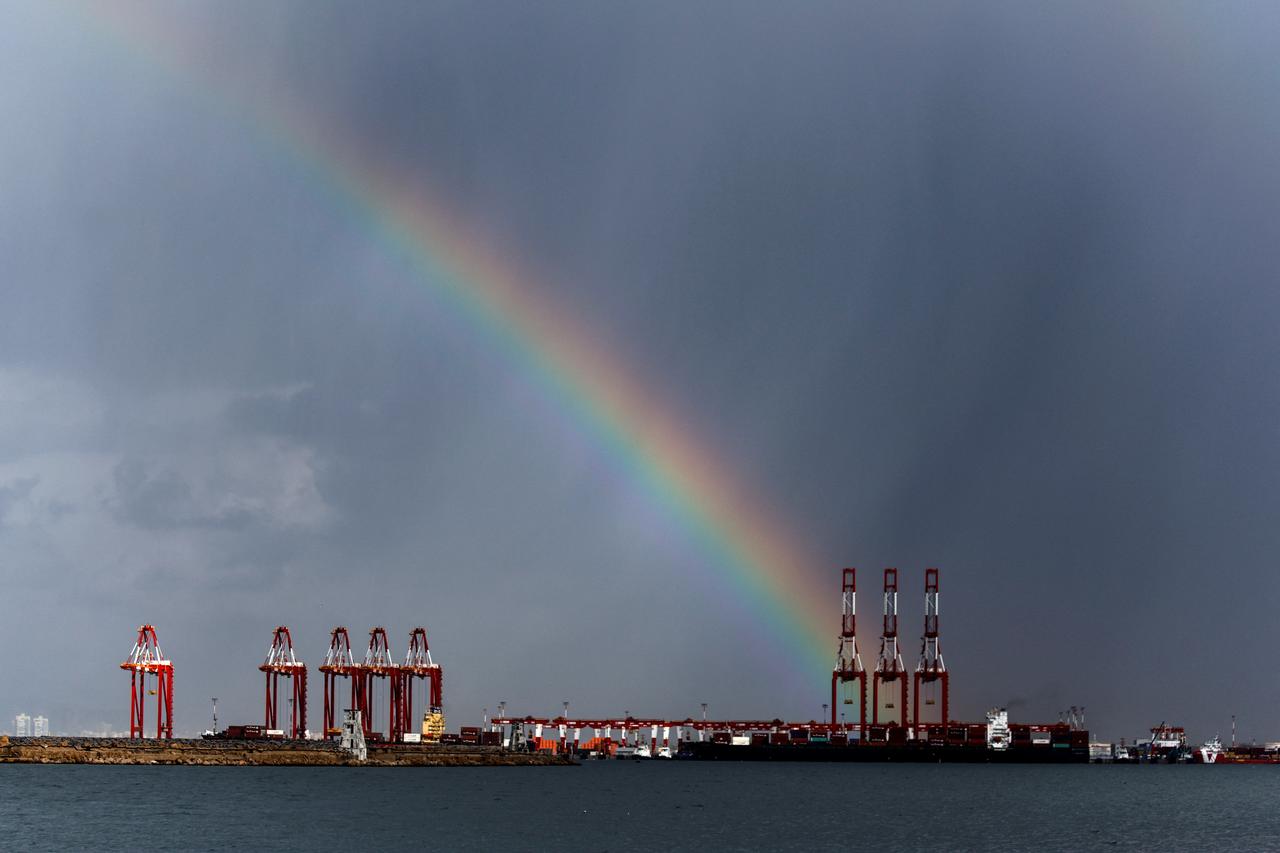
281, 661
848, 660
378, 666
146, 659
418, 665
890, 668
339, 663
931, 670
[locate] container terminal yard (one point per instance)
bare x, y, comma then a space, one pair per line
907, 718
909, 713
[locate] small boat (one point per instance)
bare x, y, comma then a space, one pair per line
1210, 751
637, 752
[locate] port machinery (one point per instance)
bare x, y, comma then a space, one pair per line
339, 663
282, 662
930, 686
418, 666
931, 671
146, 659
378, 665
849, 666
890, 672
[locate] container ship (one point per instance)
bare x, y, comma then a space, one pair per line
996, 741
1213, 753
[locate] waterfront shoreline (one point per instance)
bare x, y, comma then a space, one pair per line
257, 753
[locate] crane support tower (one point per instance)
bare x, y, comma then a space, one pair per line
848, 661
145, 660
931, 670
282, 662
378, 666
889, 668
418, 665
339, 663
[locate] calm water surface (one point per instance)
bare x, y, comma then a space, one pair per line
642, 806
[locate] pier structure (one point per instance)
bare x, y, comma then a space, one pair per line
281, 662
145, 661
931, 678
848, 666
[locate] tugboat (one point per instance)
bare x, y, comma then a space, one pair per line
1209, 753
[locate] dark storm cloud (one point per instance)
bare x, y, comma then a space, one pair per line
987, 286
13, 492
164, 499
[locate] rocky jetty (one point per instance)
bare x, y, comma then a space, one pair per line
268, 753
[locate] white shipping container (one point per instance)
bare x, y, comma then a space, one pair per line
742, 740
412, 737
275, 732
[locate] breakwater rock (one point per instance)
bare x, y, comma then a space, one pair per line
268, 753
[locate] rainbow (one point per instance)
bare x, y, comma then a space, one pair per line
766, 566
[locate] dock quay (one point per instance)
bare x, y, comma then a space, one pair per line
240, 753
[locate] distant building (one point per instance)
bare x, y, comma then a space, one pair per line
22, 726
39, 726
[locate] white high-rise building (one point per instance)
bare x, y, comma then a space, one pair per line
39, 726
22, 725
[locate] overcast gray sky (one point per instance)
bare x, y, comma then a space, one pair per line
987, 286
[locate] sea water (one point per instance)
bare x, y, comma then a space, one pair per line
642, 805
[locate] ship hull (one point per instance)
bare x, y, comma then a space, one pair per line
907, 753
